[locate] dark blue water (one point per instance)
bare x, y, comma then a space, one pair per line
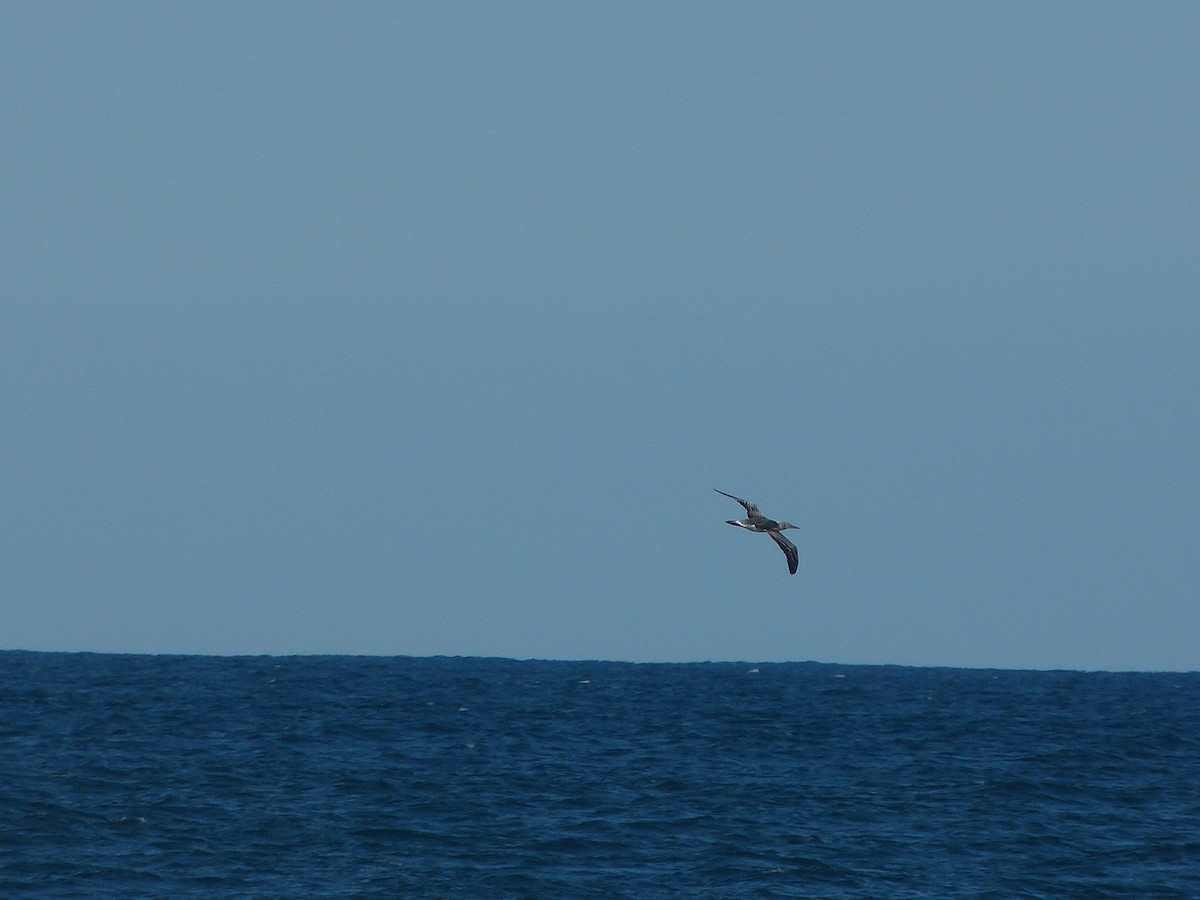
128, 776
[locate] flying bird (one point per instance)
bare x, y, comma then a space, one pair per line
756, 521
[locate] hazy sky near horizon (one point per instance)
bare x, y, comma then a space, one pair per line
429, 328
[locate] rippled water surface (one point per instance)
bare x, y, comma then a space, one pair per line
127, 776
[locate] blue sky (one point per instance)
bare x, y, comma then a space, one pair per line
429, 329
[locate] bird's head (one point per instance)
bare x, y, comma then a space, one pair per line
784, 526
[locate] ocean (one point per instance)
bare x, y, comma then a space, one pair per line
271, 777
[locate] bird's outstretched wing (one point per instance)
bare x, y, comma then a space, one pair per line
789, 550
751, 508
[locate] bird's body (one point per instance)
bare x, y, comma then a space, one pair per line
756, 521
